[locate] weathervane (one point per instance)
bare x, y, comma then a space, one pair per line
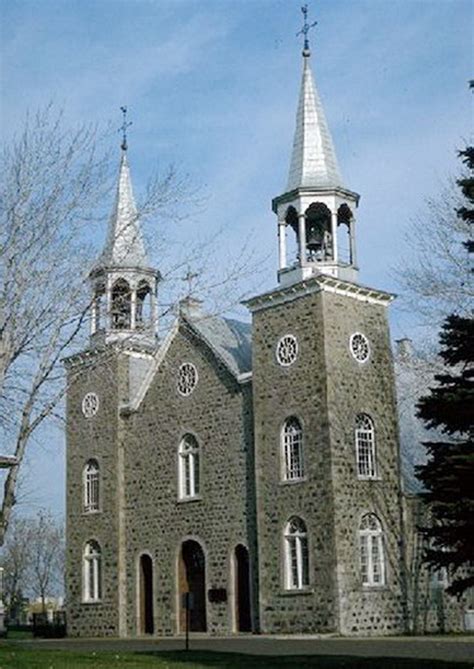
306, 28
123, 128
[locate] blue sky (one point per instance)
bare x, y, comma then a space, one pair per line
212, 87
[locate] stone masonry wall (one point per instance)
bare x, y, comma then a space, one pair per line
94, 437
279, 392
219, 414
353, 388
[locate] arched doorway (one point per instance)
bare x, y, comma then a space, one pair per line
243, 618
145, 606
192, 579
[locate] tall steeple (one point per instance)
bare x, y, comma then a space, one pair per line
316, 206
124, 285
313, 160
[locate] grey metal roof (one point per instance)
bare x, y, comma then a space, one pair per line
313, 161
230, 340
124, 246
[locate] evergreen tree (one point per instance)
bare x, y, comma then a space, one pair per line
448, 476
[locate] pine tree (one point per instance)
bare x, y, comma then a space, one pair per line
448, 476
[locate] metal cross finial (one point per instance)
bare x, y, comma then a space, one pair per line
189, 277
306, 27
123, 128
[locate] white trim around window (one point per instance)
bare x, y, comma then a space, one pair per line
92, 573
189, 472
296, 555
371, 548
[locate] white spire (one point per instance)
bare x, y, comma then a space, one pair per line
313, 161
124, 246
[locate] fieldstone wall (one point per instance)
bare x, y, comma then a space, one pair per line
219, 414
280, 392
94, 437
353, 388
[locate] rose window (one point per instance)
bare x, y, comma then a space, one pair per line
90, 405
287, 350
359, 345
187, 378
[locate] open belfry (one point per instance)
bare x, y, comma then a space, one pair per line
255, 466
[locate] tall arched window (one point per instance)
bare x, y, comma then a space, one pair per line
365, 446
372, 561
296, 555
292, 450
121, 305
188, 467
91, 485
92, 572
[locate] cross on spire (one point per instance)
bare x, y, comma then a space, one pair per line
305, 29
123, 128
189, 278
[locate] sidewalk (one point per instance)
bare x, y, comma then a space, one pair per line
448, 648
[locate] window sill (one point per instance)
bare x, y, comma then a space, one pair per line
92, 512
374, 588
91, 602
369, 478
185, 500
293, 481
296, 591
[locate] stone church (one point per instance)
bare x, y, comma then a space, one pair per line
254, 466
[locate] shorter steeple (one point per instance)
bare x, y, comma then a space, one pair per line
124, 246
123, 282
315, 207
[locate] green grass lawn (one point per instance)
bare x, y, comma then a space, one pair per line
16, 656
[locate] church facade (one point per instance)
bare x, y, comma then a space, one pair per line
239, 477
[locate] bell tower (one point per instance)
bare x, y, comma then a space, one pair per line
316, 213
124, 306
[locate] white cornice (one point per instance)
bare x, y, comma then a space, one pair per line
315, 284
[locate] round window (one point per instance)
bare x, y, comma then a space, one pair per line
90, 405
287, 350
359, 345
187, 378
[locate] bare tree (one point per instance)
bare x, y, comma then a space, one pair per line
46, 562
52, 185
436, 272
15, 562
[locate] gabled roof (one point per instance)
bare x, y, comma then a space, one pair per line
229, 339
313, 161
124, 246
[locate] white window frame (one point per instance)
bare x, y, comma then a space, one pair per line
365, 447
92, 572
189, 472
362, 337
281, 351
371, 551
296, 555
292, 455
91, 486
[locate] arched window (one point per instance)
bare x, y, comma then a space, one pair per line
91, 484
121, 305
143, 308
365, 446
92, 576
296, 555
292, 450
188, 467
372, 561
